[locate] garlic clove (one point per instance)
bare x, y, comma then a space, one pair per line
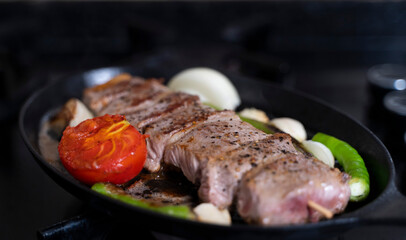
320, 151
290, 126
207, 212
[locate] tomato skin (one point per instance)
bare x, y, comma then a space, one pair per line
103, 149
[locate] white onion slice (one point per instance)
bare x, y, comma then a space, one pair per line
210, 85
320, 151
291, 126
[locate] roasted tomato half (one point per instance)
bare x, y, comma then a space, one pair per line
103, 149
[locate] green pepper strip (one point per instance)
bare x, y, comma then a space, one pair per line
180, 211
352, 163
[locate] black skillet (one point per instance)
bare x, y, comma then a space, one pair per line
381, 207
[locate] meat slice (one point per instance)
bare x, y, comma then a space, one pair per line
277, 193
224, 133
171, 127
138, 97
99, 96
170, 103
222, 174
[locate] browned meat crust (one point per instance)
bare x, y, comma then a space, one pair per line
278, 192
222, 174
101, 95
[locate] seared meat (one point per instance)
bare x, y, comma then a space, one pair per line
277, 193
224, 133
222, 174
99, 96
138, 97
228, 158
170, 103
172, 127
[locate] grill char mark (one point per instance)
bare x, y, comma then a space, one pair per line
96, 98
138, 97
170, 104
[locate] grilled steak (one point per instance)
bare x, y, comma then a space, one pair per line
211, 139
99, 96
138, 97
278, 192
172, 127
222, 174
170, 103
228, 158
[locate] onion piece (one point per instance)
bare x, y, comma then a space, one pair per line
207, 212
320, 151
291, 126
210, 85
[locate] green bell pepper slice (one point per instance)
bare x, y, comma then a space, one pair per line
352, 163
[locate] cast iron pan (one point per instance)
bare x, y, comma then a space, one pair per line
381, 207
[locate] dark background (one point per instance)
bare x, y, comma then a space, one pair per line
321, 48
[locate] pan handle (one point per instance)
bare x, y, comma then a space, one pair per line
390, 212
90, 225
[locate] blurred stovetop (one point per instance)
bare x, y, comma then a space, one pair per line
323, 49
